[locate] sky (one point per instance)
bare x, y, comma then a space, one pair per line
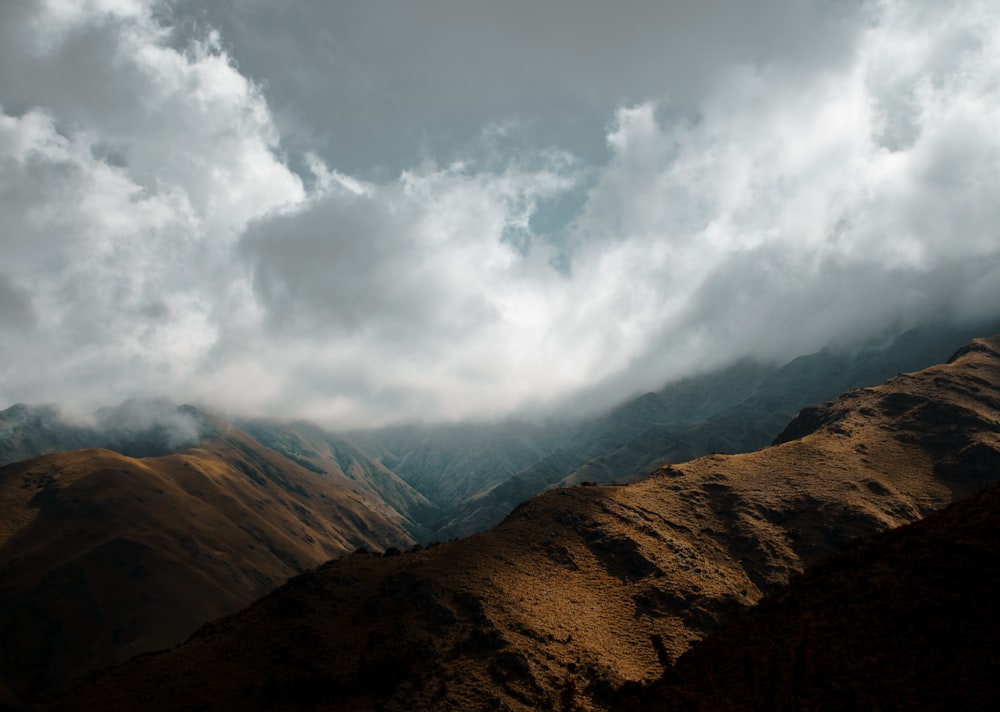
437, 210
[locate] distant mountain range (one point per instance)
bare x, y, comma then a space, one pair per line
739, 409
583, 597
123, 534
447, 481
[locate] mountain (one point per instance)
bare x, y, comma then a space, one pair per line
157, 427
323, 452
583, 589
908, 619
453, 463
137, 427
30, 431
738, 409
103, 556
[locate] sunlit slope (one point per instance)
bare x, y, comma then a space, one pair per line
739, 409
582, 589
905, 620
103, 556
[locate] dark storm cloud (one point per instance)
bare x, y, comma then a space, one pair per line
344, 263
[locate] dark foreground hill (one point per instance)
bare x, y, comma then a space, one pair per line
582, 590
906, 620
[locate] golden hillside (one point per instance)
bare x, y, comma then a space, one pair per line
104, 556
581, 590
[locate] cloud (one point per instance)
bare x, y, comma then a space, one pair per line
786, 217
779, 217
382, 83
760, 192
148, 426
434, 250
436, 274
127, 172
15, 306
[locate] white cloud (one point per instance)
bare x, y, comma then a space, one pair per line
122, 198
156, 244
782, 218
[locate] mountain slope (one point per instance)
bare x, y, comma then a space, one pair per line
582, 589
103, 556
157, 427
739, 409
322, 452
905, 620
27, 432
453, 463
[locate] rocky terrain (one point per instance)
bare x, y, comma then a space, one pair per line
581, 591
908, 619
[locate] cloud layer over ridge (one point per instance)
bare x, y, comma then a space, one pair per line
177, 220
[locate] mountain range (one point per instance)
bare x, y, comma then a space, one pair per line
584, 597
738, 409
904, 620
125, 532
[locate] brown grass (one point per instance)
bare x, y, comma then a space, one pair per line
103, 556
562, 603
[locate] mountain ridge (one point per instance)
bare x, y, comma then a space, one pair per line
739, 409
103, 556
904, 620
581, 590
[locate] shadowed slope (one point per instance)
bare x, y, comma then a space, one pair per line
27, 432
103, 556
905, 620
452, 463
582, 589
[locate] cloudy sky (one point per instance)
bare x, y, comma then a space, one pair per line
443, 209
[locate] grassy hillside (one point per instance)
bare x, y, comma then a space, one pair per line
581, 590
103, 556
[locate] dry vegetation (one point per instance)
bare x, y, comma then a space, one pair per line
584, 589
905, 620
104, 556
